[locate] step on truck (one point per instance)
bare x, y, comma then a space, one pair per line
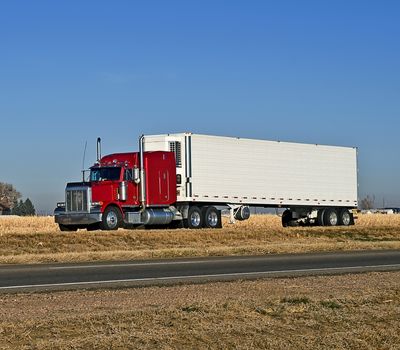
186, 180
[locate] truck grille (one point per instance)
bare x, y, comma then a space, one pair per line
77, 200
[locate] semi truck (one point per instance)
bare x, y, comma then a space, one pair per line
187, 180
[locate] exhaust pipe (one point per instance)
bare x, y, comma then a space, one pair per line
142, 175
98, 149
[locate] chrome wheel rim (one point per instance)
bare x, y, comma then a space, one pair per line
346, 218
212, 219
333, 219
112, 219
195, 219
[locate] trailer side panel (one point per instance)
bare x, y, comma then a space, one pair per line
258, 172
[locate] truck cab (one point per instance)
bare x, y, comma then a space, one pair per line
112, 196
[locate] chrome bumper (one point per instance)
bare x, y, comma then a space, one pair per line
64, 218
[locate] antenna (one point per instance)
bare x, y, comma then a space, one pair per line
83, 162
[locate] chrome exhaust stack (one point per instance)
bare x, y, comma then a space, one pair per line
142, 175
98, 149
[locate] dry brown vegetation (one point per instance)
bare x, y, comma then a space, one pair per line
328, 312
37, 239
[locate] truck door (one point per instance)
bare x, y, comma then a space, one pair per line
132, 188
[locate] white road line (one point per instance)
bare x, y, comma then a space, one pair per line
149, 279
134, 264
147, 264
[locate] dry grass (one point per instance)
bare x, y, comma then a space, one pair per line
37, 239
36, 224
328, 312
27, 224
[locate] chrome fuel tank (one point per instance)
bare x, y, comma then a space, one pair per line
157, 216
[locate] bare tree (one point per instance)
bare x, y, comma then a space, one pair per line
367, 202
8, 195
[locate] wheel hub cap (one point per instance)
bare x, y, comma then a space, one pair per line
346, 219
195, 219
212, 219
333, 219
112, 219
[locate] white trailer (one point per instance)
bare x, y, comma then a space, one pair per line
316, 183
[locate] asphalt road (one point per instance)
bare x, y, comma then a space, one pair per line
22, 278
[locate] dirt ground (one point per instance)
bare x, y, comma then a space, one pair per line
359, 311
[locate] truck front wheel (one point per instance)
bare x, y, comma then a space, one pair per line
112, 219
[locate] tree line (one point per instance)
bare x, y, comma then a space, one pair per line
11, 203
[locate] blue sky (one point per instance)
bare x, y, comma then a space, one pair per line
310, 71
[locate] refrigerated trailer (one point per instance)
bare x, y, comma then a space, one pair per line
187, 179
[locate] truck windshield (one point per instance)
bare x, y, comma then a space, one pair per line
102, 174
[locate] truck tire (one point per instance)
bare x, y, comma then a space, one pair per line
195, 218
345, 217
331, 217
112, 219
286, 218
67, 228
212, 217
320, 217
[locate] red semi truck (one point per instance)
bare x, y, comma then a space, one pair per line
186, 180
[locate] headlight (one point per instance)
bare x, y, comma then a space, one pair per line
96, 204
61, 205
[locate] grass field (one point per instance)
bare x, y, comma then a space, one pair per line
327, 312
37, 239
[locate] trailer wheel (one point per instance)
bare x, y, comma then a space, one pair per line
320, 217
212, 217
286, 218
67, 228
331, 217
345, 217
195, 218
112, 219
